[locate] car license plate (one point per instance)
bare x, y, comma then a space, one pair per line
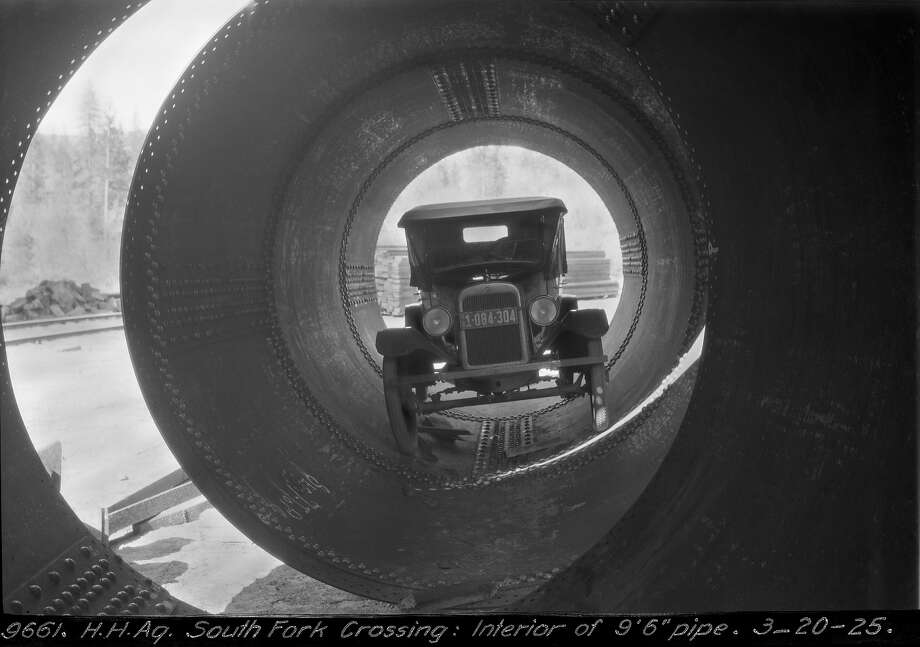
488, 318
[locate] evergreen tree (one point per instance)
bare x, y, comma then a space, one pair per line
68, 207
34, 184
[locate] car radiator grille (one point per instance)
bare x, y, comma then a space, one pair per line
489, 300
496, 345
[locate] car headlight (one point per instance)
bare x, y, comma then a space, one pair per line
436, 321
543, 311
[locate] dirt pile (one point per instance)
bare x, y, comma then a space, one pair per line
60, 299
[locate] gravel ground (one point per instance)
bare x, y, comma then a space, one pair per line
82, 391
285, 591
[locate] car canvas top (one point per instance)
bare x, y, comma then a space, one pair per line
475, 209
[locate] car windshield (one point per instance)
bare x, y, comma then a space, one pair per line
503, 254
459, 249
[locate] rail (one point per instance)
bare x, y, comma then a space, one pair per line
12, 325
18, 332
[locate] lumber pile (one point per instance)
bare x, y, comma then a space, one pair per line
588, 276
391, 274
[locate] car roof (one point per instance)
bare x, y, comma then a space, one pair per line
482, 209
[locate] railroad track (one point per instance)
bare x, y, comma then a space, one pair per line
39, 330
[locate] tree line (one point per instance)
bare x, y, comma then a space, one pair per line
66, 213
68, 208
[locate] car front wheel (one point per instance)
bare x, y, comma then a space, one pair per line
400, 406
596, 386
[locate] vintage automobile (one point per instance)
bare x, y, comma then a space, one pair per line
491, 316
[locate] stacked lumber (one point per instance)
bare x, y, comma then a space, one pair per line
588, 276
391, 274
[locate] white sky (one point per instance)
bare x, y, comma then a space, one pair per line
134, 69
588, 224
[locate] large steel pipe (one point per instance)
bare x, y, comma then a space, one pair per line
792, 482
248, 264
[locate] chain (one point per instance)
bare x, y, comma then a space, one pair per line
625, 23
346, 234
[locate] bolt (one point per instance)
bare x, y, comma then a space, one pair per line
140, 602
109, 608
106, 582
111, 575
59, 604
70, 564
49, 610
133, 607
82, 583
83, 603
115, 602
145, 594
89, 576
130, 588
35, 590
73, 588
122, 595
97, 570
104, 563
68, 596
90, 595
16, 606
162, 608
97, 588
86, 551
54, 576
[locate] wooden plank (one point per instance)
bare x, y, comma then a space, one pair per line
104, 525
148, 508
171, 480
52, 458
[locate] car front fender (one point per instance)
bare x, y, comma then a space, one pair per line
399, 342
591, 324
